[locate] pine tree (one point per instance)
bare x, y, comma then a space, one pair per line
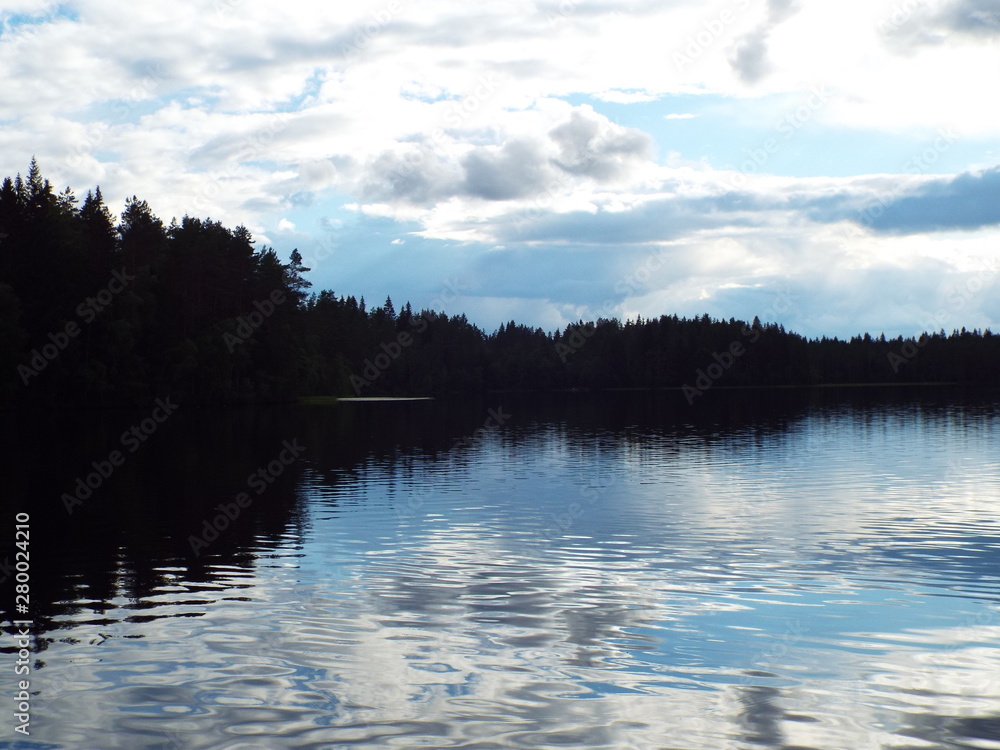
142, 234
39, 190
66, 201
20, 190
297, 284
99, 224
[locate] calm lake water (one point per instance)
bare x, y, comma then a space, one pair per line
784, 569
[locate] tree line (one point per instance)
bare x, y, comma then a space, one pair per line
98, 310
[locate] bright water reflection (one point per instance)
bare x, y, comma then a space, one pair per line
830, 581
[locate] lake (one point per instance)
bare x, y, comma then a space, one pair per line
763, 569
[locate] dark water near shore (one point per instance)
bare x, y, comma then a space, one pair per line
776, 569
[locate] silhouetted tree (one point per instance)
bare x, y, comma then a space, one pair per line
195, 310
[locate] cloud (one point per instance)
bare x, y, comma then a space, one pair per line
967, 201
980, 18
652, 220
751, 58
548, 204
928, 25
590, 147
513, 170
579, 147
536, 126
416, 176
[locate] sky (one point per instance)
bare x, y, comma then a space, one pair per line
829, 165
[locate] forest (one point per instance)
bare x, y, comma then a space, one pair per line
98, 310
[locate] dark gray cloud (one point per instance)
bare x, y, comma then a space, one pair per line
966, 202
515, 170
417, 177
421, 176
750, 61
969, 201
582, 146
907, 29
751, 58
657, 220
584, 150
975, 17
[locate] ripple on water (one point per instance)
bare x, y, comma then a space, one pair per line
831, 584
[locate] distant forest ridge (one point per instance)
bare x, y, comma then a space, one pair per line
98, 311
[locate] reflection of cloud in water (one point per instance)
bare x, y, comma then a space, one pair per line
499, 649
721, 592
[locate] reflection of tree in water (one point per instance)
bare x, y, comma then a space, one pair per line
455, 611
972, 732
760, 716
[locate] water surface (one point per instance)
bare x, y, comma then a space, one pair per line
778, 570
